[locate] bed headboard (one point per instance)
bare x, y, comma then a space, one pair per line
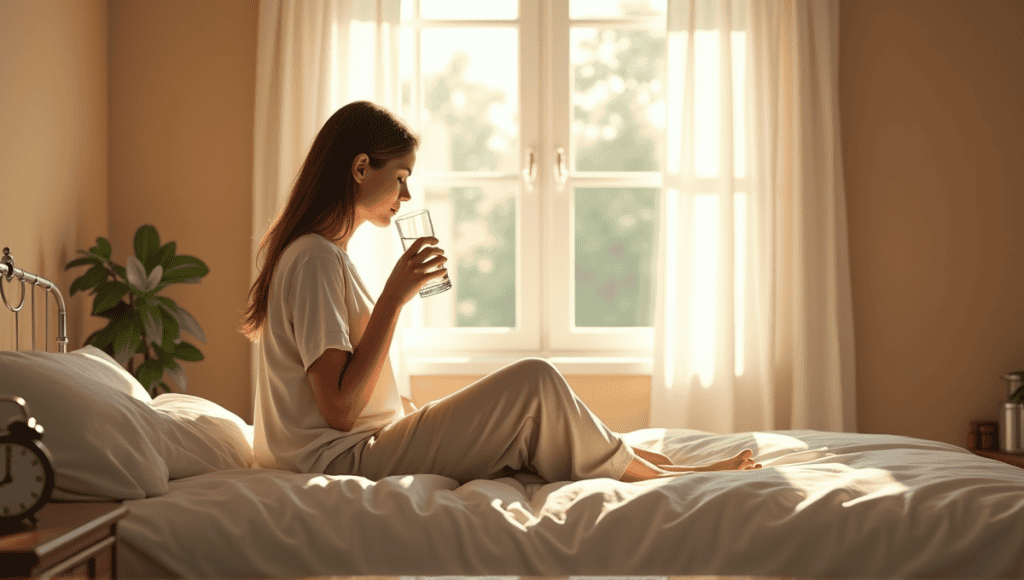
8, 274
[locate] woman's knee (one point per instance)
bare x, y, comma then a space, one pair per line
540, 372
515, 376
534, 366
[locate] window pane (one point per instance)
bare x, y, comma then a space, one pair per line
618, 99
469, 9
470, 99
616, 8
615, 245
476, 226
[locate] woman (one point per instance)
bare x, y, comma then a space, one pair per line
326, 399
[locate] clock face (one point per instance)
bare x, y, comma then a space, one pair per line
24, 482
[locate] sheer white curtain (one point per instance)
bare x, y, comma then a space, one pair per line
753, 324
313, 57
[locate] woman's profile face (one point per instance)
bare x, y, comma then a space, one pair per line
381, 191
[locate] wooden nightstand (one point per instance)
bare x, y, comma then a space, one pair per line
1011, 458
70, 539
988, 431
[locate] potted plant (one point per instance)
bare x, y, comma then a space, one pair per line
141, 322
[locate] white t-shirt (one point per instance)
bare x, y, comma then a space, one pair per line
317, 301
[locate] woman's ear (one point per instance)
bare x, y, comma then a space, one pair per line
359, 165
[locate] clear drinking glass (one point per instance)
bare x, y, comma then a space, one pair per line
411, 227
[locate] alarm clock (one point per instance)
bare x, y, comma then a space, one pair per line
27, 468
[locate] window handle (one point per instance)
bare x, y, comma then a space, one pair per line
561, 166
530, 171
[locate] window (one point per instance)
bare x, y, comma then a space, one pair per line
543, 128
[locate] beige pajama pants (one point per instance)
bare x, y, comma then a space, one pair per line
522, 417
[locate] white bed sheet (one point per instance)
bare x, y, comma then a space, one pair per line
825, 504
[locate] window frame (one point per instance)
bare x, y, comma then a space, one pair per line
545, 309
562, 335
477, 344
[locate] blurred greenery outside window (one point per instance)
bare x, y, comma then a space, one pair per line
465, 89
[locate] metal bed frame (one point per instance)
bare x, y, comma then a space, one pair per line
9, 273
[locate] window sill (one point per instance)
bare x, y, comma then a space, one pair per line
567, 365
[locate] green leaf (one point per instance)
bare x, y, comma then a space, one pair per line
163, 353
178, 374
128, 336
94, 277
121, 271
102, 248
187, 352
149, 374
152, 321
88, 339
103, 338
189, 324
108, 295
154, 278
136, 274
171, 331
147, 246
169, 305
181, 268
78, 285
185, 320
120, 309
167, 251
95, 261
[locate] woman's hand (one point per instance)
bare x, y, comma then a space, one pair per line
410, 407
413, 271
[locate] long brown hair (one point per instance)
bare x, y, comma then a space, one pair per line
323, 199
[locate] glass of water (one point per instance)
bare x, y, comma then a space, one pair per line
411, 227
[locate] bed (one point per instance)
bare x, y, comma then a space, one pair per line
836, 505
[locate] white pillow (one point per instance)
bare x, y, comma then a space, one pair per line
108, 439
199, 436
126, 384
98, 433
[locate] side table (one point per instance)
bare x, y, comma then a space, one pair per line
69, 539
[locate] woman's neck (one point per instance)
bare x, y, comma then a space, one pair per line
343, 242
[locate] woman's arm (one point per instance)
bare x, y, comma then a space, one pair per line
343, 382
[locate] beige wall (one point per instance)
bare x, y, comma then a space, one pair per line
53, 152
931, 105
182, 94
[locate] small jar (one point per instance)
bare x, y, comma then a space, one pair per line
987, 433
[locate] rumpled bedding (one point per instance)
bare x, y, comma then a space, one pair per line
837, 505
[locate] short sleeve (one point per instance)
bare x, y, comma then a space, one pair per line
319, 316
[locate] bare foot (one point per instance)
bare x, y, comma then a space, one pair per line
739, 462
641, 470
